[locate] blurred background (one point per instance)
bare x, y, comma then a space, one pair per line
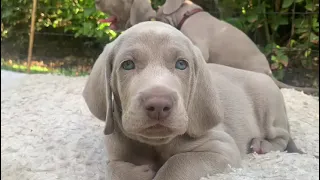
68, 37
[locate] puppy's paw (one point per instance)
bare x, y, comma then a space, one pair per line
119, 170
260, 146
143, 172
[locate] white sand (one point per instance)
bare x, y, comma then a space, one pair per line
47, 132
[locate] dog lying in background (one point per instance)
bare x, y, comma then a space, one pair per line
219, 41
171, 115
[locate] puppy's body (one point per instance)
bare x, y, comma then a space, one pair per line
209, 113
219, 42
249, 105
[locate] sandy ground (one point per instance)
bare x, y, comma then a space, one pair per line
47, 132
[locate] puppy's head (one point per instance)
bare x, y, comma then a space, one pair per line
125, 13
156, 76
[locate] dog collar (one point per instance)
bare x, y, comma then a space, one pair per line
187, 15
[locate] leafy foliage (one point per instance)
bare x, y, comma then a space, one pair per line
78, 17
287, 31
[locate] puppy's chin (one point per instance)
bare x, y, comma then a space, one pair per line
156, 135
155, 141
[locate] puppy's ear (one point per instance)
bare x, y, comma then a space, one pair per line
171, 6
97, 91
205, 108
141, 10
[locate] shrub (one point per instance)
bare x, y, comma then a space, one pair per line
285, 30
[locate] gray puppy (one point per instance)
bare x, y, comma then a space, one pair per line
170, 115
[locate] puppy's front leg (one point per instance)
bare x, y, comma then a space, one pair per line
193, 166
120, 170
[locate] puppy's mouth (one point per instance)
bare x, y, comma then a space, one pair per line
156, 135
157, 131
112, 20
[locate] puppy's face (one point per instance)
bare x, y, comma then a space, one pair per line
119, 11
151, 80
125, 13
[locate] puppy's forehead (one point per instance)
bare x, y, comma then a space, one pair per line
156, 32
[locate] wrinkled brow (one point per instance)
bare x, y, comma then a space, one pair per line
136, 52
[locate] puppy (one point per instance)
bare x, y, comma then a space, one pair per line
170, 115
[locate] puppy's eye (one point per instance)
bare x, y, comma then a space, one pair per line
181, 64
128, 65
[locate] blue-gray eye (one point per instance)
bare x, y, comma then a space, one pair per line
181, 64
128, 65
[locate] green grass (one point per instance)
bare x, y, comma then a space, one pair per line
16, 67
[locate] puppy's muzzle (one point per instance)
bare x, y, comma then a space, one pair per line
158, 102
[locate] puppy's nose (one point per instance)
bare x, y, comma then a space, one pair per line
158, 102
158, 107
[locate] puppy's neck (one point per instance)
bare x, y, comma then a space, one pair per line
187, 10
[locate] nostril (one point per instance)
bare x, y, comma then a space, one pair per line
150, 108
166, 109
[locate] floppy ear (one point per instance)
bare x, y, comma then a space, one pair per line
97, 91
205, 108
141, 10
171, 6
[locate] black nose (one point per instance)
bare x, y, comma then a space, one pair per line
158, 107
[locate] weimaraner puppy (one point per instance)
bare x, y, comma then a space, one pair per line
125, 13
171, 116
219, 41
